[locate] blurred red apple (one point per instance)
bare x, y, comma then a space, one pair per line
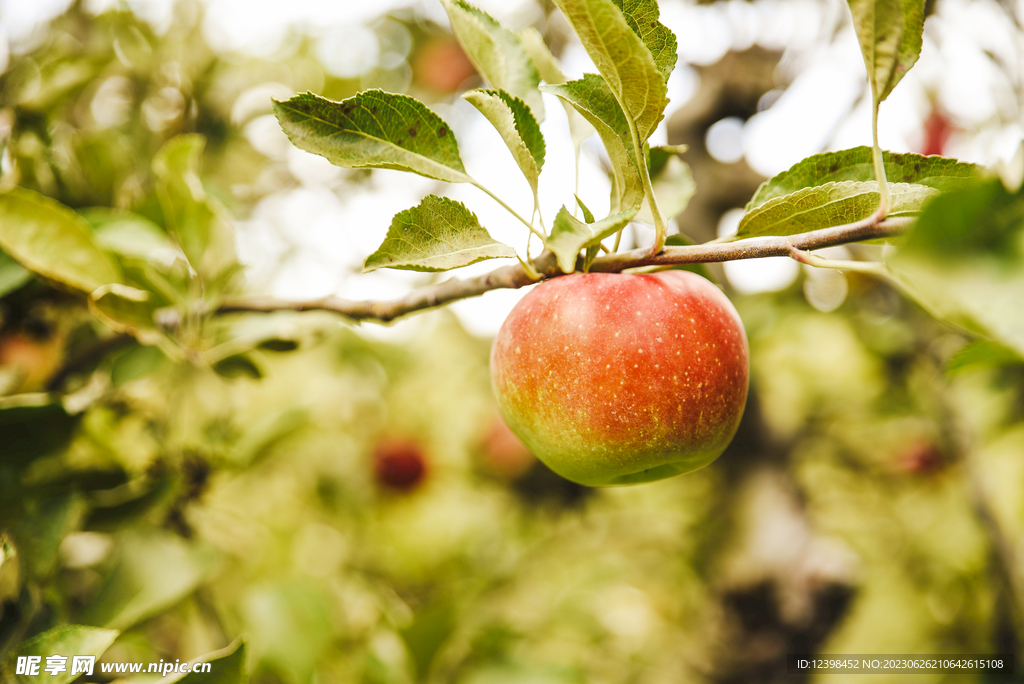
920, 458
937, 131
400, 465
505, 454
33, 361
442, 66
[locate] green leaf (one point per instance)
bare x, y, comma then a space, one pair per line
28, 432
856, 165
642, 16
963, 260
829, 204
153, 498
199, 223
167, 284
673, 184
551, 73
12, 274
227, 666
126, 233
496, 53
588, 215
68, 641
983, 353
517, 127
277, 345
154, 571
438, 234
10, 573
261, 439
428, 632
48, 238
237, 366
569, 235
136, 362
290, 624
591, 97
374, 129
546, 63
126, 310
890, 33
626, 63
41, 527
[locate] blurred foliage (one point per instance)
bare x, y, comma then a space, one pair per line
357, 512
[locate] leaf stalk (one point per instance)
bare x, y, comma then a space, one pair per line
509, 209
885, 199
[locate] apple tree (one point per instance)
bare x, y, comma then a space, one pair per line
189, 470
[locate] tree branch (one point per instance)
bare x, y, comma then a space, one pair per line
514, 276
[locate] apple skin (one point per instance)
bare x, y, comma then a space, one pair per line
620, 379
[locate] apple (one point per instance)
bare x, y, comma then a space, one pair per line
504, 454
920, 457
442, 66
616, 379
33, 361
400, 465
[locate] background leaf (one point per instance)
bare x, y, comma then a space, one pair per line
12, 274
983, 353
856, 165
154, 571
43, 523
374, 129
66, 640
496, 53
517, 127
227, 666
128, 234
569, 235
623, 59
830, 204
50, 239
436, 235
238, 366
126, 310
890, 33
28, 432
199, 223
591, 97
963, 260
289, 626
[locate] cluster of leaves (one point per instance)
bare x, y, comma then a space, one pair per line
112, 255
623, 105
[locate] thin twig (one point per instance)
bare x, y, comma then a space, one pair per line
515, 276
